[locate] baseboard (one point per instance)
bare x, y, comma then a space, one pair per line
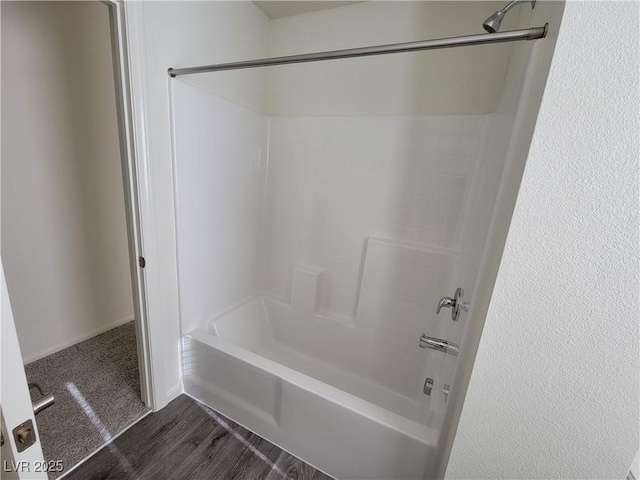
175, 392
78, 339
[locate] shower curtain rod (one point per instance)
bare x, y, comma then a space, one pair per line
484, 38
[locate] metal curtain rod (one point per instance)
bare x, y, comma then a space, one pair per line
483, 38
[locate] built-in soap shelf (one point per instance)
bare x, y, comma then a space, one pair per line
306, 289
306, 295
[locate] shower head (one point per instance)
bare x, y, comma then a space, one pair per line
492, 24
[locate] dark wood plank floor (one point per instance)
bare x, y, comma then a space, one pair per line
187, 440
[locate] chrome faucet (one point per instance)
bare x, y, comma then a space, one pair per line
446, 302
439, 344
455, 304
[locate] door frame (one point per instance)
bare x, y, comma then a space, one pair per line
132, 165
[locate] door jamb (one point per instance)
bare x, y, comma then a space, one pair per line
130, 169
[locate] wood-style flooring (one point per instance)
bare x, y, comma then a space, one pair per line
187, 440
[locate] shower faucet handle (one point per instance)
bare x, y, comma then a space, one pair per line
455, 304
446, 302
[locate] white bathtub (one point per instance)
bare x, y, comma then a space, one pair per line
331, 418
344, 394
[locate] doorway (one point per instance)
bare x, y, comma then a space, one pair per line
68, 243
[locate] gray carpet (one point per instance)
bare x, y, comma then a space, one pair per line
97, 391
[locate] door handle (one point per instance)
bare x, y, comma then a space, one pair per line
43, 402
24, 435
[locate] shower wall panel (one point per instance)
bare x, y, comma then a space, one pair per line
219, 188
475, 228
483, 192
250, 218
335, 181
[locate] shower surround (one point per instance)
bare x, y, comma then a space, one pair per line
261, 197
312, 252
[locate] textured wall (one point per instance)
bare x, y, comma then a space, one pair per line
64, 237
554, 391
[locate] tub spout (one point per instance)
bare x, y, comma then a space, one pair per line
439, 344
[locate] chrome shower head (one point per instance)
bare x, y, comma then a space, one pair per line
492, 24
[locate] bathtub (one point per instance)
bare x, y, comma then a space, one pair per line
343, 393
333, 419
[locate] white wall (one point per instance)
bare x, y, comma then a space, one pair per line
64, 241
488, 210
452, 81
219, 196
185, 34
174, 34
554, 390
335, 181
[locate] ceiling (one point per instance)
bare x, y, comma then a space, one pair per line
290, 8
